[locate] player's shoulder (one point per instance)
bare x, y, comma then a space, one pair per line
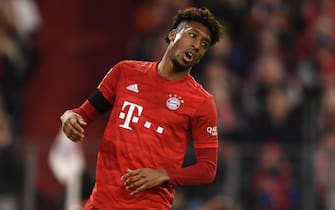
198, 89
135, 65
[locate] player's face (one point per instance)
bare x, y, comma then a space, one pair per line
189, 45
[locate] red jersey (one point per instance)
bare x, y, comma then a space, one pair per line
151, 122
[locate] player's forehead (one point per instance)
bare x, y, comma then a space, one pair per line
199, 28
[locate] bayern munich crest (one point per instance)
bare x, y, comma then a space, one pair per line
174, 102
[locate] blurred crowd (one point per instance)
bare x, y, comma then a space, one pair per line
273, 78
18, 58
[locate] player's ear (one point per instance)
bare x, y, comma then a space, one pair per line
172, 35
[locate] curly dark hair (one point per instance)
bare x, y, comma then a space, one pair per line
203, 16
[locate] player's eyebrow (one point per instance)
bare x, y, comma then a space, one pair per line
203, 34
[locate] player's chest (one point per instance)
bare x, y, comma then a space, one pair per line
147, 103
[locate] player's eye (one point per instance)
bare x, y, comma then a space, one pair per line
192, 35
204, 45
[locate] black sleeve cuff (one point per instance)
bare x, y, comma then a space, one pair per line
100, 103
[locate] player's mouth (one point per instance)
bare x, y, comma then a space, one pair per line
188, 56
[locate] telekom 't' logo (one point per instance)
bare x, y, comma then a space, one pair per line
130, 115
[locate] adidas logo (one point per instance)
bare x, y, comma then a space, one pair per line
133, 87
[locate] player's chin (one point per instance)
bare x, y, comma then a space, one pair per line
183, 65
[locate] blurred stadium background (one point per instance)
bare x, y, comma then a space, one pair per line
273, 77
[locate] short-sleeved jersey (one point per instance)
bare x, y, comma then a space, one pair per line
151, 122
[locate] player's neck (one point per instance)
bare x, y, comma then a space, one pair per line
166, 69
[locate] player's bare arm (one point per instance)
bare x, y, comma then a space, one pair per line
144, 178
73, 126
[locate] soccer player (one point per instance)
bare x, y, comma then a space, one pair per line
155, 108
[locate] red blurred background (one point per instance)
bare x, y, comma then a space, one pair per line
79, 41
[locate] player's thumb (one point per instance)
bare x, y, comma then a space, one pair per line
81, 121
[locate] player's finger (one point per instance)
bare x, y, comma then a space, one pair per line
72, 134
72, 130
140, 189
135, 185
81, 121
77, 137
128, 174
75, 124
131, 180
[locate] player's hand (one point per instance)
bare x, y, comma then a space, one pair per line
73, 126
144, 178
